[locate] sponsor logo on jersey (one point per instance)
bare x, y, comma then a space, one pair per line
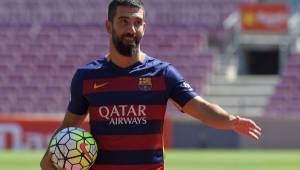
124, 114
97, 86
145, 83
187, 86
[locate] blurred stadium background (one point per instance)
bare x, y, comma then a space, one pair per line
242, 54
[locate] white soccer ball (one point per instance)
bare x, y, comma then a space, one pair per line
73, 148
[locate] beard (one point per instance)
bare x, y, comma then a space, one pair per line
125, 47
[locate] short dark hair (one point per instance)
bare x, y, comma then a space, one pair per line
112, 8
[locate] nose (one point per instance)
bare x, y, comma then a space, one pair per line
132, 29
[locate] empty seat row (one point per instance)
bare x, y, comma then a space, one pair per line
285, 100
38, 65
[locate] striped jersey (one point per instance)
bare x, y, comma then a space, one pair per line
127, 108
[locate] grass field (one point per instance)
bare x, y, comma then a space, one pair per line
187, 160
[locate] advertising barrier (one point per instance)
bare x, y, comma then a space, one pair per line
264, 17
26, 132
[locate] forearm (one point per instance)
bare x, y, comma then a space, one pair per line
213, 115
70, 119
209, 113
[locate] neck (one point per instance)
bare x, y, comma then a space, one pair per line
124, 61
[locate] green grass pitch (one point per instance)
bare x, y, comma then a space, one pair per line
186, 160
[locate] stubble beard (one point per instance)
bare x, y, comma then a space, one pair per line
127, 50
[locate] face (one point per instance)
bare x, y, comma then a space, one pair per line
127, 30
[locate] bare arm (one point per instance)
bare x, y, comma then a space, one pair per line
214, 116
70, 119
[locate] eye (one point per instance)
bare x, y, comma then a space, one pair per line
123, 21
138, 23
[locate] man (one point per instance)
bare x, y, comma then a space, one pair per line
125, 94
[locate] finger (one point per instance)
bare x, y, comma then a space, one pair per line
253, 125
253, 135
251, 132
255, 131
258, 128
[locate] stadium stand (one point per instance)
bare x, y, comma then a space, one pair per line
38, 65
43, 42
285, 101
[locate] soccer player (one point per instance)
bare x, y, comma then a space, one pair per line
125, 94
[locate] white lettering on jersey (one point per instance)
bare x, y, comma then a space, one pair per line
124, 114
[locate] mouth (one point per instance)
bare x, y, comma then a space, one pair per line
129, 40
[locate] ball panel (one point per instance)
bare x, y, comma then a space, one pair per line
53, 142
93, 150
69, 129
61, 163
74, 153
87, 135
64, 139
84, 162
75, 137
91, 141
59, 136
52, 148
71, 145
78, 132
76, 167
58, 154
74, 160
63, 150
68, 165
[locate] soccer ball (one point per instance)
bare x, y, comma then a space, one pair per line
73, 148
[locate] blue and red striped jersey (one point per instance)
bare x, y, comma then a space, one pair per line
127, 108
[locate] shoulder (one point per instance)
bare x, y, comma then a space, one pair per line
94, 65
155, 62
90, 68
164, 67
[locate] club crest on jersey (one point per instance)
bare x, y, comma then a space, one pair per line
145, 83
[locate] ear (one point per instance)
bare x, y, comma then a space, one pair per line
144, 28
144, 25
108, 26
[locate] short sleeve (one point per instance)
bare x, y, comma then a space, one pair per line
179, 90
78, 103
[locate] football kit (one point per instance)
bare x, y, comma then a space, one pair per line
127, 108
